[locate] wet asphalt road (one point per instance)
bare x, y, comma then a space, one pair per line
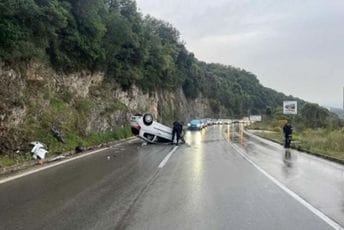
205, 184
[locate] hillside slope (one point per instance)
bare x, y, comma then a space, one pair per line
86, 65
112, 37
79, 105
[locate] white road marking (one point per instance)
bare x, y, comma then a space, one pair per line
49, 166
129, 140
316, 211
164, 161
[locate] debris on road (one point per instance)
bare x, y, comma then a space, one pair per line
39, 150
61, 157
58, 134
79, 149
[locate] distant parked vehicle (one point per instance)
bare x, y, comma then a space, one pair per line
195, 124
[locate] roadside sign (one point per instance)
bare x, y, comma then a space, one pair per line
289, 107
255, 118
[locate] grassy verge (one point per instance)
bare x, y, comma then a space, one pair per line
320, 142
7, 160
98, 138
72, 141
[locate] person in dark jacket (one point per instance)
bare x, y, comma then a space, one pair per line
176, 131
288, 131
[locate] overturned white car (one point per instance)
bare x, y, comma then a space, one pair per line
149, 130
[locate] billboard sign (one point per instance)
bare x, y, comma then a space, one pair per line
289, 107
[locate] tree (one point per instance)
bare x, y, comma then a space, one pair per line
112, 36
314, 116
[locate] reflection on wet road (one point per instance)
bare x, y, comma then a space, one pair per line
318, 181
208, 185
93, 192
205, 184
235, 133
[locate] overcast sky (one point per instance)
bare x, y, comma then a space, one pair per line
293, 46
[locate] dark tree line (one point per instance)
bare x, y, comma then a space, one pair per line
112, 36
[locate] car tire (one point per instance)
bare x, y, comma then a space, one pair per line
148, 119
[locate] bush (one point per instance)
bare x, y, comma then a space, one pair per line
277, 129
98, 138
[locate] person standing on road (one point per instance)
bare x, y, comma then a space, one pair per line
288, 131
176, 131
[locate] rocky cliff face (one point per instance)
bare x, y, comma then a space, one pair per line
36, 98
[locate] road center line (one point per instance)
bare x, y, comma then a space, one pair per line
164, 161
314, 210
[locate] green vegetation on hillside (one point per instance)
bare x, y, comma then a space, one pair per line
113, 37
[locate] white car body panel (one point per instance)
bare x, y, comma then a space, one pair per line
153, 133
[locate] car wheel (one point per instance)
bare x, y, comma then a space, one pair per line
147, 119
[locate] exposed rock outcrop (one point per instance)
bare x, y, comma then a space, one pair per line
33, 100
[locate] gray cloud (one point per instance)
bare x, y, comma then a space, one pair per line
292, 46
